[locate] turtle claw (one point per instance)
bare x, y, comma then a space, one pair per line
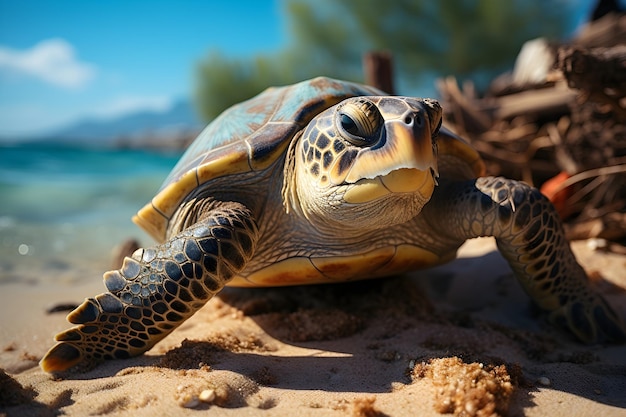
61, 357
154, 292
89, 343
592, 321
87, 312
114, 281
613, 328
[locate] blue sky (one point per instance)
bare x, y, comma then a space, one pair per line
63, 60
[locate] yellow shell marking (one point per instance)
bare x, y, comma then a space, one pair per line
154, 216
153, 222
341, 268
373, 264
459, 159
169, 198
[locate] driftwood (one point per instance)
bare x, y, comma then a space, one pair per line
378, 68
600, 73
564, 131
536, 104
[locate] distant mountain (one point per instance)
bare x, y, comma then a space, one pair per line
173, 128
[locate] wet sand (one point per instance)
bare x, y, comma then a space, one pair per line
461, 338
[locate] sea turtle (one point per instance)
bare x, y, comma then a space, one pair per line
318, 182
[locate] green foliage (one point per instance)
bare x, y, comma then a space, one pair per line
222, 82
458, 37
471, 39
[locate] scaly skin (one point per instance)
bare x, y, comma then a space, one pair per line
156, 290
530, 236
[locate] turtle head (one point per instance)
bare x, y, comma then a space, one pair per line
367, 161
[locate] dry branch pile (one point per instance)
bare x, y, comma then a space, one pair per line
558, 122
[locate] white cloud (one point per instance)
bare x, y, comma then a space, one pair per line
53, 61
129, 104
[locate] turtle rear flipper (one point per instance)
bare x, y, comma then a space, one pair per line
530, 236
156, 290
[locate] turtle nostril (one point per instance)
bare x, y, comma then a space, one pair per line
414, 119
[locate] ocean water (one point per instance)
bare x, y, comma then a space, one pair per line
63, 210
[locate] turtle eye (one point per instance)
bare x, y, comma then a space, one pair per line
348, 124
360, 121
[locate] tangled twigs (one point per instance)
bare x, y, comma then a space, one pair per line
568, 131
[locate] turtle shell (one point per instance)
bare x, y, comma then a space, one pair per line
247, 137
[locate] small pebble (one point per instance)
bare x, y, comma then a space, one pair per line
23, 249
597, 244
188, 401
545, 381
207, 396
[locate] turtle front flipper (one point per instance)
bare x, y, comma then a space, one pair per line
156, 290
530, 236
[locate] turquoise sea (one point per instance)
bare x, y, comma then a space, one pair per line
63, 209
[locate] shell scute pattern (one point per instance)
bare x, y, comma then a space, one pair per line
266, 120
247, 137
264, 145
232, 126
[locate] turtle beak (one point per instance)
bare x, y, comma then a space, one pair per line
408, 146
407, 162
417, 163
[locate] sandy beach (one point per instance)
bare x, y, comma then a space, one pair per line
461, 338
